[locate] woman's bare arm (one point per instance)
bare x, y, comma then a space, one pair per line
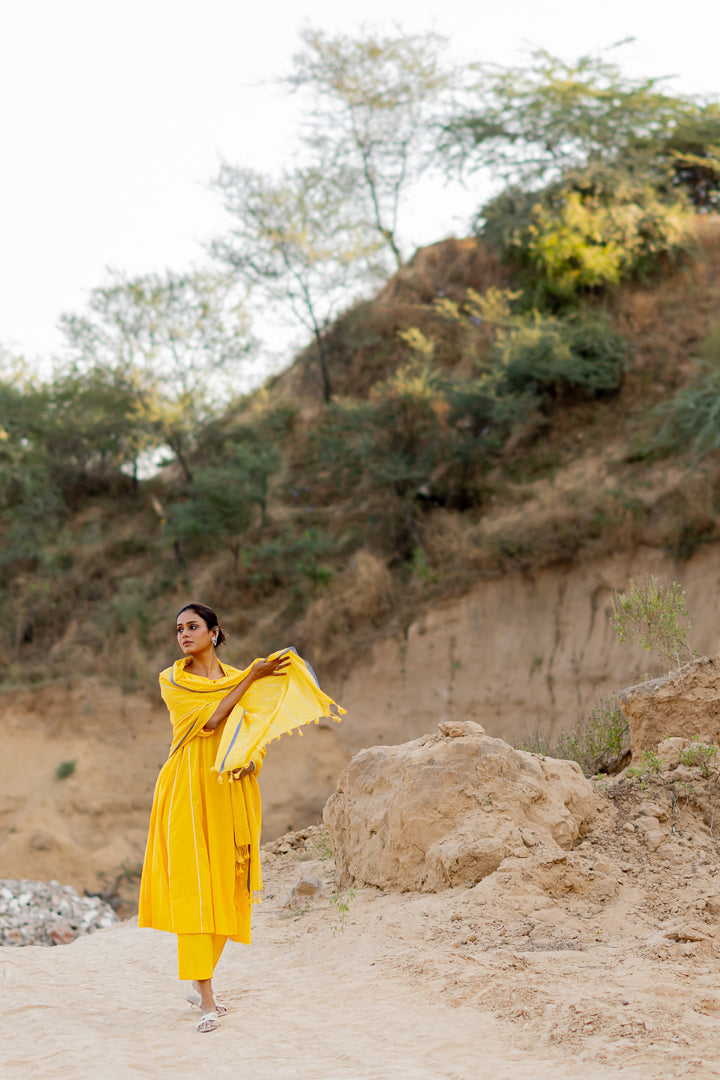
260, 670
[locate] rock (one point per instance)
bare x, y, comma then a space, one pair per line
46, 913
553, 873
670, 750
304, 890
684, 704
686, 933
455, 729
681, 933
684, 774
712, 904
602, 866
652, 809
448, 808
62, 934
651, 830
610, 763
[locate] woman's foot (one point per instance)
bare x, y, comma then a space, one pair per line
195, 998
208, 1022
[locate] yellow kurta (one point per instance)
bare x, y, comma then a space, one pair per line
202, 863
202, 857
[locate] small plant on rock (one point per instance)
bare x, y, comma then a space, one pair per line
649, 770
700, 755
605, 736
682, 790
634, 773
655, 616
652, 763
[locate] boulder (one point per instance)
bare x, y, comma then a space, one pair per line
683, 704
447, 809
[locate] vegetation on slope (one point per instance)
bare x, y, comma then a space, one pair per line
545, 389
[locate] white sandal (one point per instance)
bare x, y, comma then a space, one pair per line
208, 1022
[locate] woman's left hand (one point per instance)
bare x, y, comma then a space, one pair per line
247, 770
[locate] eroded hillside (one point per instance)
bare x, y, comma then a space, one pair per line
492, 609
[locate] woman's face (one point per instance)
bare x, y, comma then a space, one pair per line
193, 633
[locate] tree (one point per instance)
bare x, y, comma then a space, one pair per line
691, 156
534, 123
30, 504
226, 496
179, 339
296, 239
373, 103
92, 424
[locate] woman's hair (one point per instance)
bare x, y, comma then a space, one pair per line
209, 617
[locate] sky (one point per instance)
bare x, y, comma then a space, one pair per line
115, 117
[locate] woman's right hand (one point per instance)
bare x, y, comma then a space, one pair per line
261, 669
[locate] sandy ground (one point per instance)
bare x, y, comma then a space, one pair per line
547, 969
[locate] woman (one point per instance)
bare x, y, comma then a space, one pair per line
202, 860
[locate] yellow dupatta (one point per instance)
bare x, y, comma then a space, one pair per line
269, 708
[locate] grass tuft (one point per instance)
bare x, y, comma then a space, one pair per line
599, 742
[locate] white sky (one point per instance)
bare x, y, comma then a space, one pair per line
114, 117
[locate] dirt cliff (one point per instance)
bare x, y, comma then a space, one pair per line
513, 653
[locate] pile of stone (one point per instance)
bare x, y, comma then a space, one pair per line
47, 913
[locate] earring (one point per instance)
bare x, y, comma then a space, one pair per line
214, 640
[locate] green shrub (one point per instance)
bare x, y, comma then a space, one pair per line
605, 734
655, 616
384, 452
597, 742
225, 498
291, 560
427, 435
530, 354
129, 608
691, 419
592, 228
700, 755
546, 354
65, 769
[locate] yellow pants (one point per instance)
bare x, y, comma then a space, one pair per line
198, 954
